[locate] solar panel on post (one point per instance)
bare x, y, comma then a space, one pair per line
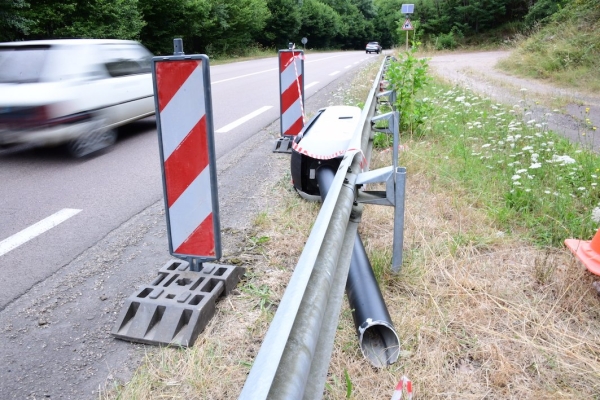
291, 89
186, 140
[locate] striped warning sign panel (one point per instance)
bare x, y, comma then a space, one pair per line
291, 89
185, 129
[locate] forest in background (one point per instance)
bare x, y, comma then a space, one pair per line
236, 27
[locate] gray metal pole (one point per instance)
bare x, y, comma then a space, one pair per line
399, 219
178, 47
294, 368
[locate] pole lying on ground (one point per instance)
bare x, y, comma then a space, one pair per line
376, 335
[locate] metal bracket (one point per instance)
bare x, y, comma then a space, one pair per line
395, 179
388, 97
380, 197
283, 145
394, 195
175, 308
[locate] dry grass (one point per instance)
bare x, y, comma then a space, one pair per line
480, 315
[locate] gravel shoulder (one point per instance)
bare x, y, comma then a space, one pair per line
563, 109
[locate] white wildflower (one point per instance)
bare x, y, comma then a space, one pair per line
596, 215
562, 159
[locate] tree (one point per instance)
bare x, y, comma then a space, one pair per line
168, 19
480, 14
283, 25
320, 23
235, 25
13, 24
119, 19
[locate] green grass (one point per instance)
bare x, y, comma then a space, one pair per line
527, 177
566, 50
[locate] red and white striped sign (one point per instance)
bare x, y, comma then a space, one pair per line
291, 86
185, 131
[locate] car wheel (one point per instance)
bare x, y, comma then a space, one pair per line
91, 142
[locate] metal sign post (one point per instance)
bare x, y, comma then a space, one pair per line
178, 304
291, 92
407, 26
187, 153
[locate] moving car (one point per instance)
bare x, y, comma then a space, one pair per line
373, 47
72, 91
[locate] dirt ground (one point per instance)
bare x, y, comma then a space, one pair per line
564, 109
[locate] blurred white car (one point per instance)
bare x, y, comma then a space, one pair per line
72, 91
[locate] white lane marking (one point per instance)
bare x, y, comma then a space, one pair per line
240, 121
243, 76
334, 73
311, 85
36, 229
347, 66
266, 70
321, 59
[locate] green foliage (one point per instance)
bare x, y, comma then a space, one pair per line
119, 19
238, 27
566, 49
321, 22
407, 76
532, 178
12, 21
386, 22
283, 24
542, 9
448, 40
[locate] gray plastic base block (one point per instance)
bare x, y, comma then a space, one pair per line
175, 308
284, 145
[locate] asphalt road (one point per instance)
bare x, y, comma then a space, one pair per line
62, 290
112, 187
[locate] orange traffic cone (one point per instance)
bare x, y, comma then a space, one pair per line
587, 251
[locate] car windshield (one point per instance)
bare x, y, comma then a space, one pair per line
22, 64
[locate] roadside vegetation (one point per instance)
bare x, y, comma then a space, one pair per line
241, 28
564, 48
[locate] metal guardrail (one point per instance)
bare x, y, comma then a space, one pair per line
294, 358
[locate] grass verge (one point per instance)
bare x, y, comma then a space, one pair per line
565, 50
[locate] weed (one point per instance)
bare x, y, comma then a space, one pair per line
348, 384
407, 76
261, 292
